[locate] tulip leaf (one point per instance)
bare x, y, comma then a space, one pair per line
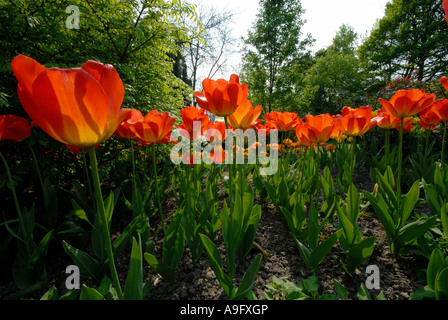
413, 230
79, 212
88, 265
321, 251
133, 288
216, 265
436, 260
248, 279
90, 294
441, 285
382, 210
409, 202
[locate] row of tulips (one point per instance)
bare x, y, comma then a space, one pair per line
82, 108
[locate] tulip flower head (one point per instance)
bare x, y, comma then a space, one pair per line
357, 121
245, 116
77, 106
316, 129
441, 108
429, 118
155, 127
14, 128
124, 130
407, 103
222, 97
190, 116
282, 121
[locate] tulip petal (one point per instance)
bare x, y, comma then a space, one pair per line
71, 106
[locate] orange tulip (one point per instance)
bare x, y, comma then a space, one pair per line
316, 129
407, 103
337, 129
441, 108
215, 129
429, 118
124, 130
14, 128
386, 120
357, 121
78, 106
222, 97
245, 116
282, 121
189, 116
154, 128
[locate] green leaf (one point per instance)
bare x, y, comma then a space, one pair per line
161, 268
441, 285
321, 251
133, 288
444, 219
79, 212
340, 290
51, 294
353, 204
90, 294
248, 279
436, 260
88, 265
216, 265
382, 210
422, 293
360, 252
409, 202
363, 293
415, 229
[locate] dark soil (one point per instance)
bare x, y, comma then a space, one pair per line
398, 277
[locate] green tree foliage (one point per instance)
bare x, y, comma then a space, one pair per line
274, 55
138, 37
411, 39
335, 80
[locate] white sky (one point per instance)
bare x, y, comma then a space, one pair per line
323, 17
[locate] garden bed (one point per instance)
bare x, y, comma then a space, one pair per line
399, 278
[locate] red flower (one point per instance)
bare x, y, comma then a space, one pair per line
222, 97
154, 128
77, 106
386, 120
189, 116
357, 121
407, 103
429, 118
441, 108
283, 121
14, 128
124, 130
316, 129
245, 116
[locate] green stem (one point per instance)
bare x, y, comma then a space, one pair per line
230, 172
317, 175
400, 160
86, 172
352, 156
427, 141
159, 204
16, 204
36, 164
387, 142
101, 210
443, 143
